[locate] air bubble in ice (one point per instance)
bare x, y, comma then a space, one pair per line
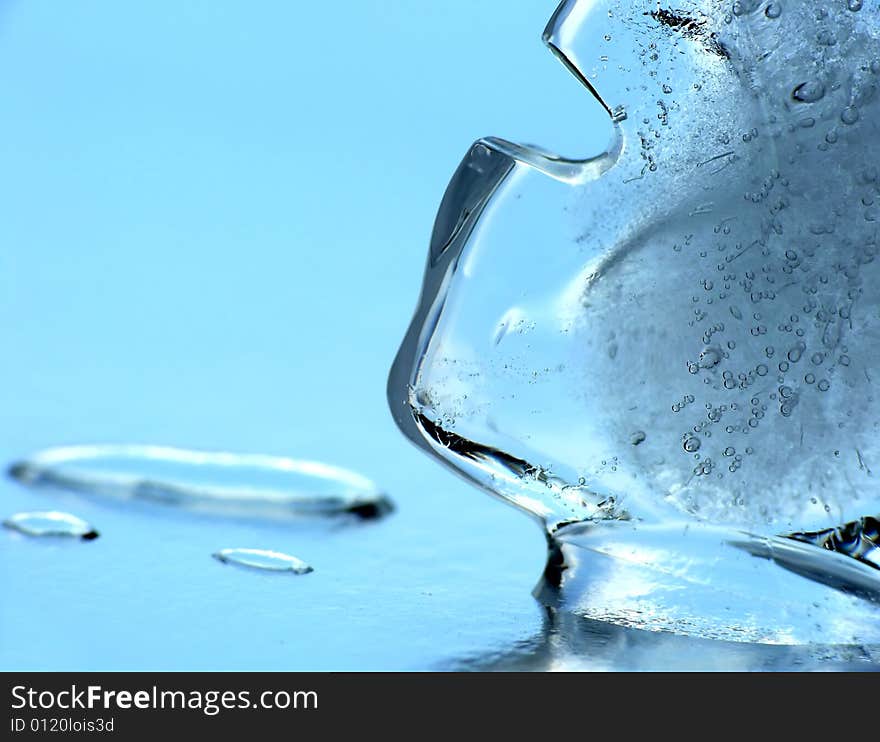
809, 92
691, 444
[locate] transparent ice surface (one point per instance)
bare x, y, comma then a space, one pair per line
667, 352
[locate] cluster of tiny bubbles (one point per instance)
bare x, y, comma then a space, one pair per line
715, 413
684, 402
707, 336
613, 465
788, 399
737, 460
728, 380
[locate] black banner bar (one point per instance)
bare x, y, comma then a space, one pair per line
130, 705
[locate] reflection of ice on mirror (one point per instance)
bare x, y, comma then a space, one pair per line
568, 642
666, 352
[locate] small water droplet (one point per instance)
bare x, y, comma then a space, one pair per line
51, 523
271, 561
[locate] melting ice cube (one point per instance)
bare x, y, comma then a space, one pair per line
710, 280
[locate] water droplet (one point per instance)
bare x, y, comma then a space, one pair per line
854, 5
271, 561
51, 523
809, 92
824, 385
251, 484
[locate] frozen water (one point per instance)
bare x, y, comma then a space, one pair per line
666, 352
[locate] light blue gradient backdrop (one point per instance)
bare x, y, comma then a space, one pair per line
214, 218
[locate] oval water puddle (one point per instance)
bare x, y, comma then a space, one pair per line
51, 523
249, 484
264, 559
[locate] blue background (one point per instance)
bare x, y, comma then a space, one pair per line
214, 220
